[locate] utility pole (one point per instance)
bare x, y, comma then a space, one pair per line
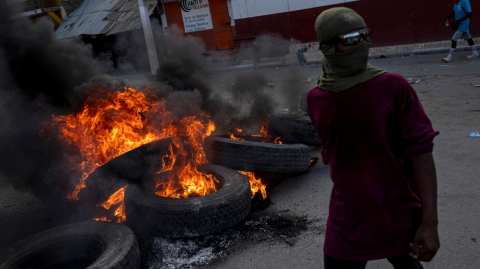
147, 31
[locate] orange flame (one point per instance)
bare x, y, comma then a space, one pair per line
106, 128
112, 123
234, 131
116, 198
263, 131
192, 183
256, 185
262, 134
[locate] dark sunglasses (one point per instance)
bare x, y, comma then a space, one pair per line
351, 38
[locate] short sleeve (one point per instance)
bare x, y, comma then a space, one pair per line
412, 121
467, 6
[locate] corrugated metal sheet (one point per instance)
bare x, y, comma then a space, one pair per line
106, 17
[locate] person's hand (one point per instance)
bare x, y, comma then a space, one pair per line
445, 19
426, 243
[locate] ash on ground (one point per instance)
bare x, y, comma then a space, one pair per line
259, 226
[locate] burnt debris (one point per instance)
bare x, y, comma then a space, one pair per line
199, 253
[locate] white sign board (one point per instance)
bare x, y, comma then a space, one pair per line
196, 15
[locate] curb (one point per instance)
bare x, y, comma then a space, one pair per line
416, 52
371, 56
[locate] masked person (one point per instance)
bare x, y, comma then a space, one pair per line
462, 12
377, 141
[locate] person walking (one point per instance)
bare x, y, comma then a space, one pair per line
461, 12
378, 142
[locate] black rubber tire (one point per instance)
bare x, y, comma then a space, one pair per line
115, 243
294, 128
149, 214
128, 168
257, 156
303, 102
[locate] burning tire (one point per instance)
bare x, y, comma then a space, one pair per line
257, 156
155, 215
294, 128
125, 169
81, 245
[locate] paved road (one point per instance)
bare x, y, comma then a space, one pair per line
452, 101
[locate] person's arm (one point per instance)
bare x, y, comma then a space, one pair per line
463, 18
418, 134
450, 16
426, 242
468, 9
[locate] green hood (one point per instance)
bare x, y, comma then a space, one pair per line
342, 71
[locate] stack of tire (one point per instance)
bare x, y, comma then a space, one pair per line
110, 245
258, 157
295, 127
296, 131
153, 215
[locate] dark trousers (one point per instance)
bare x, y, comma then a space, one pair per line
402, 261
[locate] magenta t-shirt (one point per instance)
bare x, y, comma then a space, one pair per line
367, 132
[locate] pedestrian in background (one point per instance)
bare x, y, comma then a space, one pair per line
378, 142
461, 12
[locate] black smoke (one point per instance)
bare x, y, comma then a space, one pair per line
186, 59
39, 76
248, 100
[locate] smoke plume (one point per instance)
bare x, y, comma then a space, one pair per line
265, 45
39, 75
248, 101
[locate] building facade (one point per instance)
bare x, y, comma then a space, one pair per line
227, 24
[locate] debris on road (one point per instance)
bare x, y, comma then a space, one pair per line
412, 81
474, 134
192, 253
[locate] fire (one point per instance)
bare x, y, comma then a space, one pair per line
263, 134
116, 198
263, 131
234, 131
256, 185
106, 128
193, 183
112, 123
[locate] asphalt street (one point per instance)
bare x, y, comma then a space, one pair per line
450, 98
